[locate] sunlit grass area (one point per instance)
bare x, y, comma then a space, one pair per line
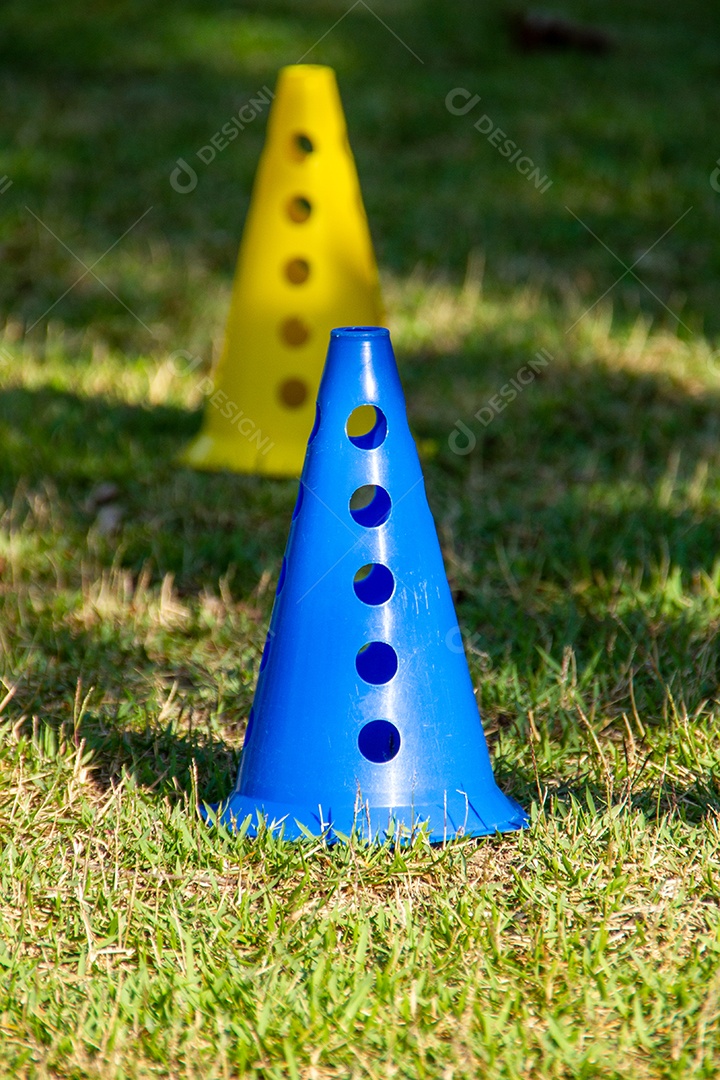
579, 526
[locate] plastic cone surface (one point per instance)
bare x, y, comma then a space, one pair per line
364, 716
306, 264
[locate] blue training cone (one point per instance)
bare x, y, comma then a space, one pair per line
364, 717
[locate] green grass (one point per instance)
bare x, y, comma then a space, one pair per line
580, 538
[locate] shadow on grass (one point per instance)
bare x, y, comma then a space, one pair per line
590, 476
105, 107
163, 761
692, 803
589, 470
569, 504
195, 526
163, 724
159, 760
585, 517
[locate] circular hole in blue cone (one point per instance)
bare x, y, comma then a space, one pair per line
316, 424
379, 741
299, 502
370, 505
366, 331
282, 575
376, 662
373, 583
366, 427
266, 653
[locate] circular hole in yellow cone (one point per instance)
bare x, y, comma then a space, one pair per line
299, 208
297, 271
302, 145
294, 331
293, 393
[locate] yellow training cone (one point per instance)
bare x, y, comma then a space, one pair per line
306, 264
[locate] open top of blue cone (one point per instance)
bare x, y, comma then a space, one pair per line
364, 717
359, 331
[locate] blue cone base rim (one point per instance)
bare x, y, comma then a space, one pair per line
374, 823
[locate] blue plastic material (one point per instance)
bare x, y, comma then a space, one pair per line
364, 717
